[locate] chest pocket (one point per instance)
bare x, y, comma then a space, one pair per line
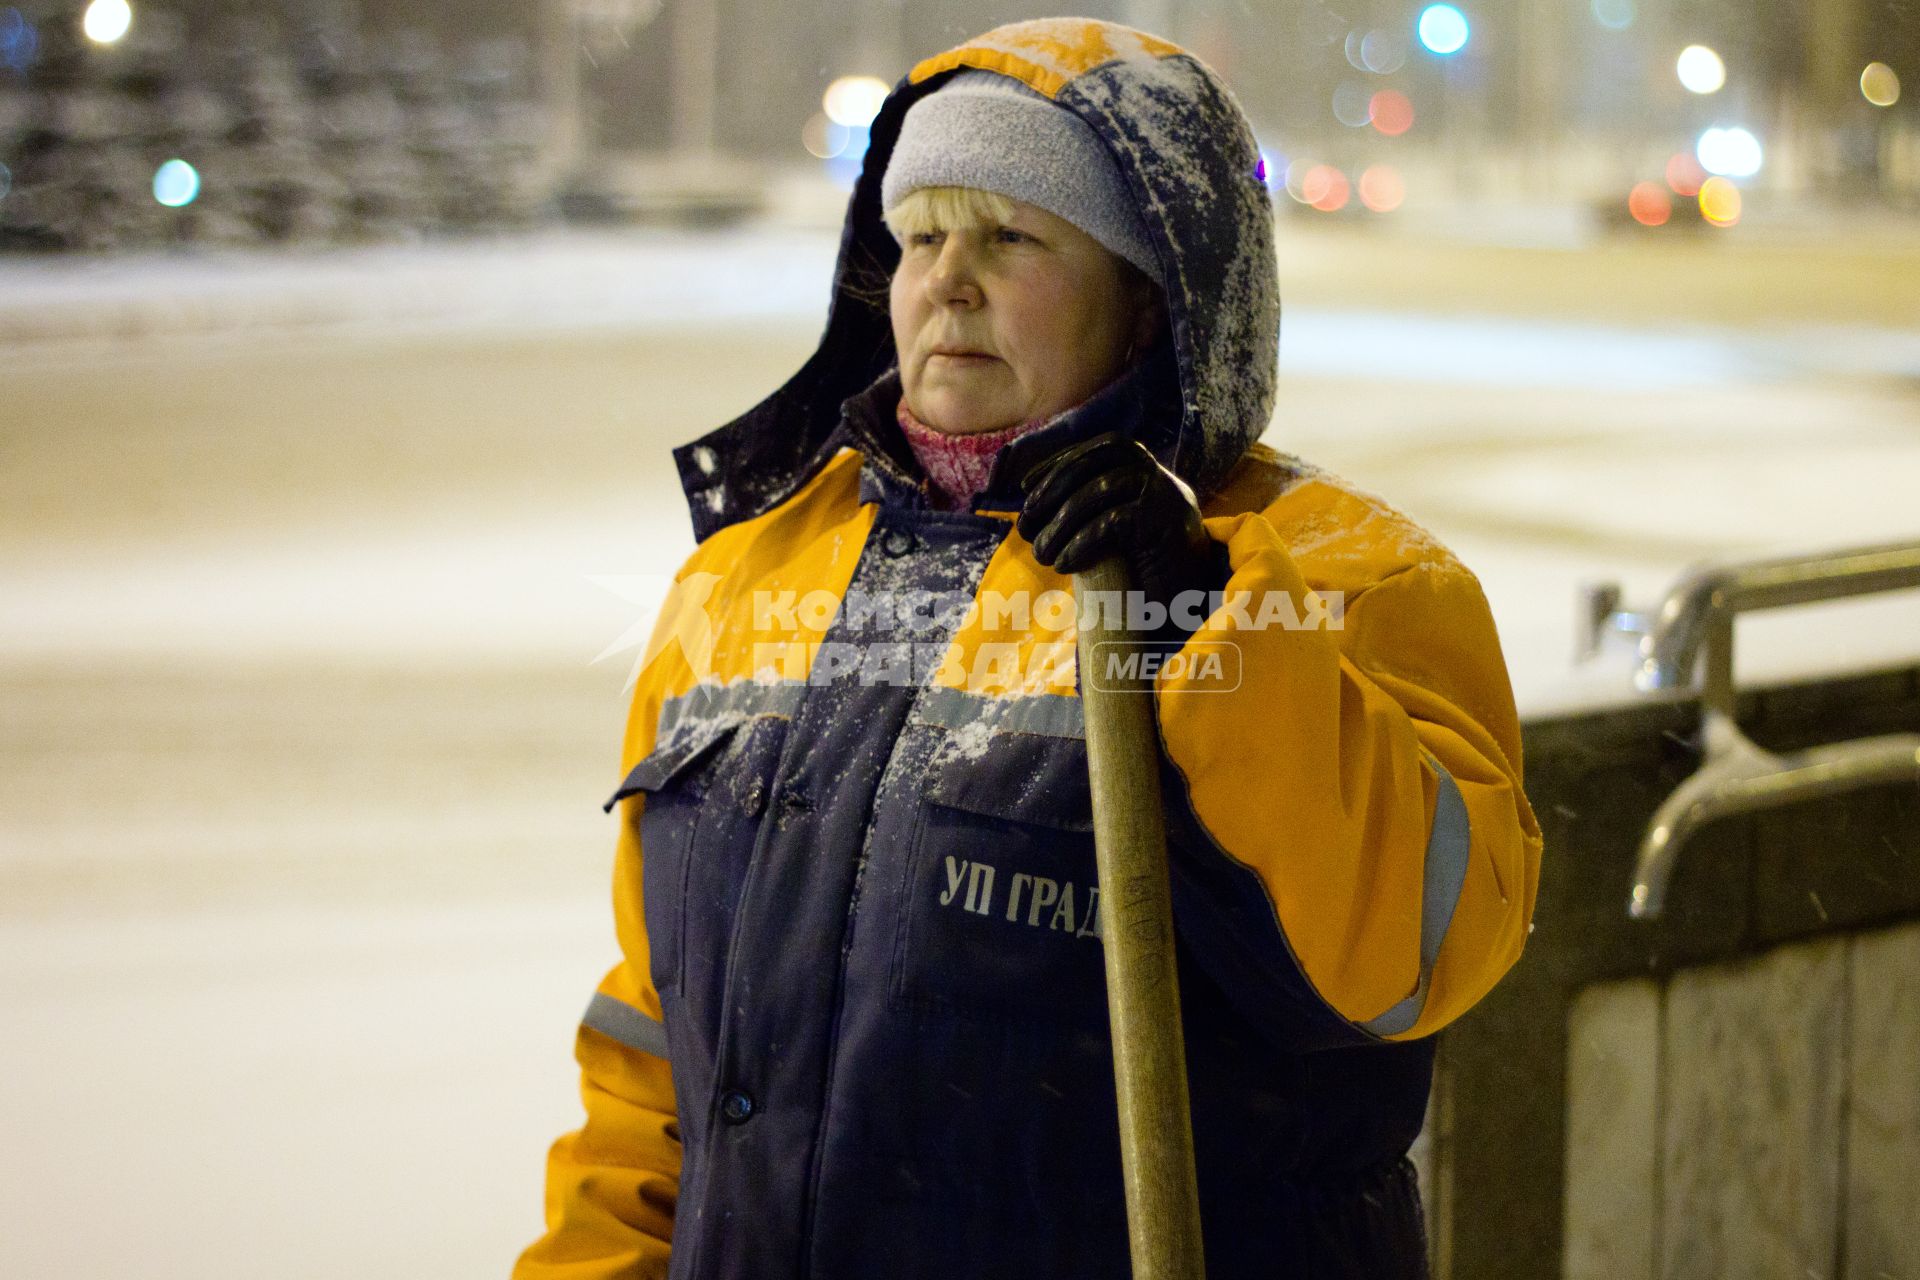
1000, 917
705, 788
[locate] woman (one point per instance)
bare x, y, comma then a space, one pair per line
859, 1024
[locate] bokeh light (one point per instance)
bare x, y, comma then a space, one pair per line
824, 138
1352, 104
19, 41
1649, 204
1443, 29
844, 168
6, 181
1684, 174
1615, 15
106, 20
1720, 202
175, 184
1383, 52
1730, 152
1381, 188
1295, 179
1354, 40
853, 101
1391, 112
1700, 69
1325, 188
1880, 85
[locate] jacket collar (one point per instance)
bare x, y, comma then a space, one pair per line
1142, 404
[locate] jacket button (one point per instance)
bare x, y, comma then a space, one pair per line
736, 1106
898, 542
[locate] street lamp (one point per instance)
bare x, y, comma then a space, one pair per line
853, 101
175, 184
105, 21
1701, 70
1880, 84
1443, 29
1731, 152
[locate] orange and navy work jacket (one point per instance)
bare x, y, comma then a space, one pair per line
859, 1023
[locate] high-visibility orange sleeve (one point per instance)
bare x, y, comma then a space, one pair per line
1363, 782
612, 1184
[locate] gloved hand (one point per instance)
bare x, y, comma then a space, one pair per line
1109, 496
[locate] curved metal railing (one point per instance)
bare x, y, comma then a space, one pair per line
1692, 630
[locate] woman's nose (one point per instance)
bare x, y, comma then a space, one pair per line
952, 279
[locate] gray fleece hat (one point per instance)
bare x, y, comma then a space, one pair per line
985, 130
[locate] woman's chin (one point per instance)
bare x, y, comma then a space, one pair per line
958, 415
973, 426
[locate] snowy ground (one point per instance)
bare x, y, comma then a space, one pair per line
303, 565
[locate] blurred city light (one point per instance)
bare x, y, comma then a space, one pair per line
1443, 29
1649, 204
1720, 202
1325, 188
1615, 15
175, 184
1381, 189
1700, 69
1391, 112
362, 140
6, 181
845, 167
823, 137
106, 20
1880, 85
19, 42
1731, 152
854, 101
1352, 49
1352, 104
1295, 179
1685, 175
1383, 52
1309, 183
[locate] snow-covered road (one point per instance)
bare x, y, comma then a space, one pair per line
303, 566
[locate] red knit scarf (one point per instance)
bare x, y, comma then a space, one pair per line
958, 466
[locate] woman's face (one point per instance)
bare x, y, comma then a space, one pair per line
1001, 324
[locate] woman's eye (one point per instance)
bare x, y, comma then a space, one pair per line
924, 237
1009, 236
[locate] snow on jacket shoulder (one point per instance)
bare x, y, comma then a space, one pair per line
1367, 769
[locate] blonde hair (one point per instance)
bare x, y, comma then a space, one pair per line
926, 209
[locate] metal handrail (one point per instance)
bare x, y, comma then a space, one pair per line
1701, 599
1737, 775
1740, 776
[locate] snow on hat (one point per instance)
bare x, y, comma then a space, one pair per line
985, 130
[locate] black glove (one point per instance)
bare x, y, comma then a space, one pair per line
1109, 496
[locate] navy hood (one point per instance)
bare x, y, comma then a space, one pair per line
1189, 158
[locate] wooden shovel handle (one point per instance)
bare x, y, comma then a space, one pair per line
1143, 998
